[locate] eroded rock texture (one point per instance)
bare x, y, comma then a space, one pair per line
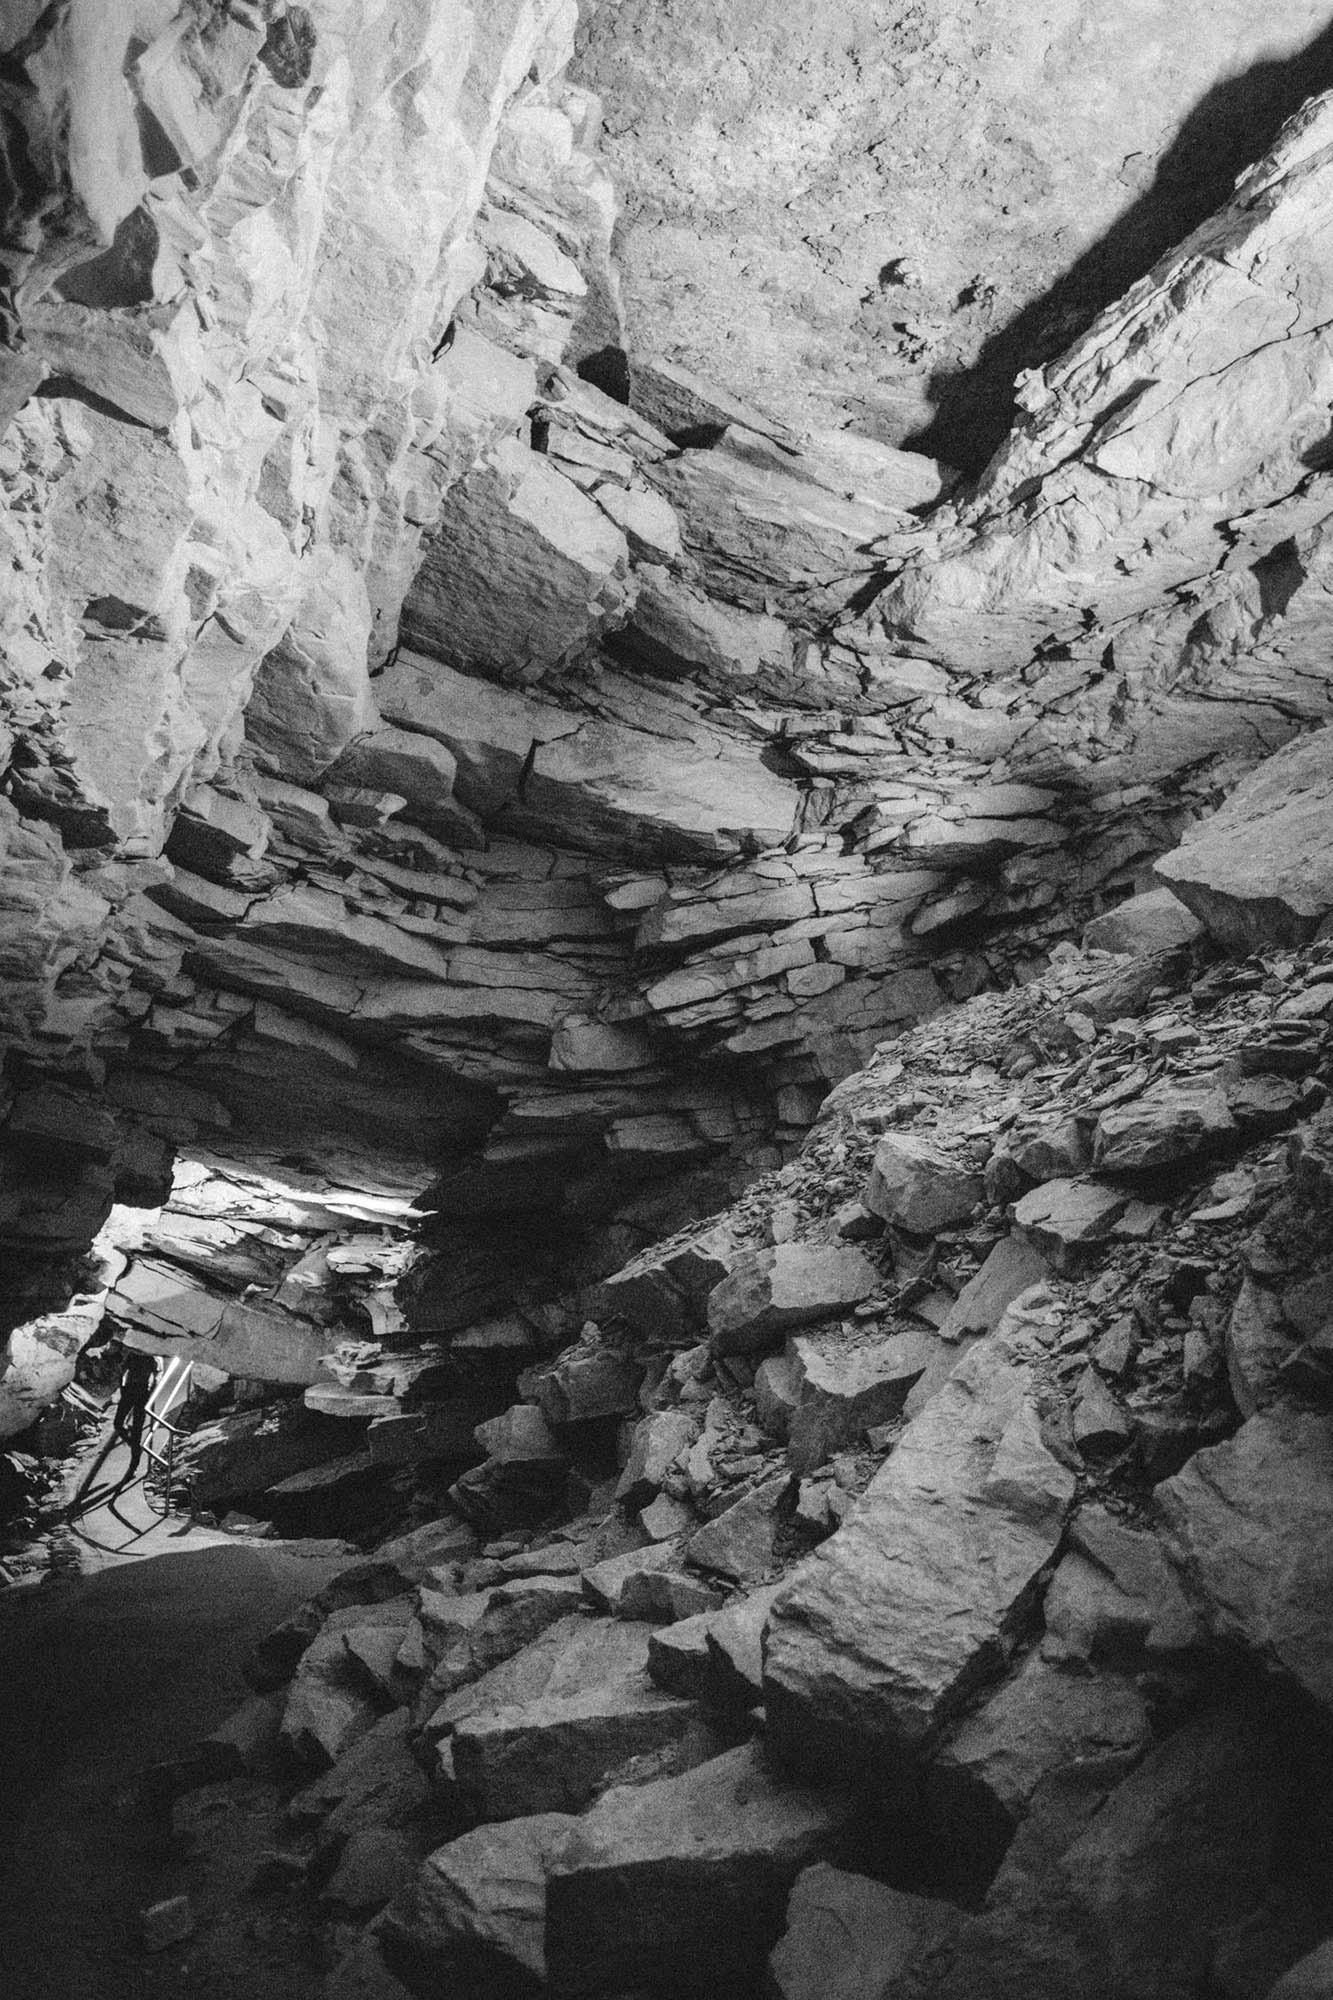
479, 789
884, 210
412, 742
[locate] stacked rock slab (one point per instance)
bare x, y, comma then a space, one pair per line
623, 887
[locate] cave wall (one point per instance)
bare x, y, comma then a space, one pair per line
419, 756
880, 211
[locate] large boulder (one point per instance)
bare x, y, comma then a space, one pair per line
1250, 1523
794, 1284
473, 1921
921, 1189
1260, 871
683, 1883
927, 1588
554, 1753
848, 1937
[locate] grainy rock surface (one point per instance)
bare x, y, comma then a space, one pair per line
541, 856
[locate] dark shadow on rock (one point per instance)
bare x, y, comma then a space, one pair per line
1231, 126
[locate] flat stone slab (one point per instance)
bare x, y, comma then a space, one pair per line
552, 1754
1260, 871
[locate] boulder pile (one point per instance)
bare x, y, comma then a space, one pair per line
954, 1610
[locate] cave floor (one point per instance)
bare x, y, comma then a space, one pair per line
120, 1669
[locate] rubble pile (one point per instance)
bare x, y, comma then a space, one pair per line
715, 1042
956, 1567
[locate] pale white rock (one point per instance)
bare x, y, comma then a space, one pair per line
524, 571
1260, 871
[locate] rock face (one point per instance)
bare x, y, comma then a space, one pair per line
1004, 240
412, 741
477, 794
1257, 872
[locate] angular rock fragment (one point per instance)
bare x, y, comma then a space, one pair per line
1100, 1425
1116, 1594
1170, 1122
373, 1865
979, 1783
777, 1391
552, 1754
739, 1543
849, 1937
1066, 1220
1012, 1266
927, 1588
1250, 1523
467, 1636
1128, 1898
794, 1284
1311, 1979
684, 1882
332, 1700
1259, 871
845, 1390
1054, 1151
1153, 921
919, 1188
473, 1920
659, 1440
1258, 1345
664, 1291
588, 1381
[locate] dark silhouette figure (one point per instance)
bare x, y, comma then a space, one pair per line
136, 1386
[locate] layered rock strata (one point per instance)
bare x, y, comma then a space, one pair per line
1040, 1647
489, 841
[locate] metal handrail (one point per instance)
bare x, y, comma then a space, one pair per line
173, 1383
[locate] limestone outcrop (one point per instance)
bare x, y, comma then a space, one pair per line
408, 736
1040, 1642
537, 952
879, 214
